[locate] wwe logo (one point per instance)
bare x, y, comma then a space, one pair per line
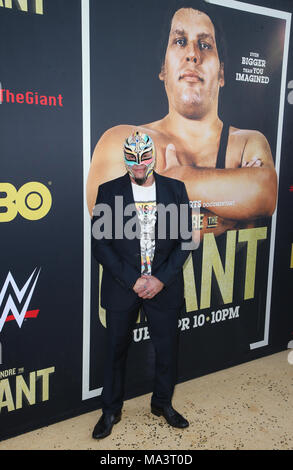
25, 293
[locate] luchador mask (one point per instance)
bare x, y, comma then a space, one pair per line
139, 149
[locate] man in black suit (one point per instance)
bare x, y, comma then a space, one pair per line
142, 268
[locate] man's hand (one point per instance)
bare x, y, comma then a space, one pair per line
140, 287
171, 157
153, 286
254, 162
147, 286
172, 163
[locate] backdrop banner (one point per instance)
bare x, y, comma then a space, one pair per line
229, 278
41, 213
80, 76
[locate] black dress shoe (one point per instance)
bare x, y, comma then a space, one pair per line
104, 426
172, 416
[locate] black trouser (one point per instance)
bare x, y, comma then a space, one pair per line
163, 329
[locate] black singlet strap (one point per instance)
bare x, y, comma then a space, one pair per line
221, 158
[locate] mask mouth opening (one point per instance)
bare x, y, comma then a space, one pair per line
140, 181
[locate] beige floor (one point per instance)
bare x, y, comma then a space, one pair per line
245, 407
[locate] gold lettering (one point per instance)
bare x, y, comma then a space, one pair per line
251, 236
189, 286
44, 373
212, 261
23, 389
6, 392
8, 202
20, 4
37, 6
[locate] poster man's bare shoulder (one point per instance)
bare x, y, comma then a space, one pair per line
107, 162
247, 146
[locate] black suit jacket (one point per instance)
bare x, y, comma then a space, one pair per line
120, 256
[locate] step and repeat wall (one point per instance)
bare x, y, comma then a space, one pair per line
75, 77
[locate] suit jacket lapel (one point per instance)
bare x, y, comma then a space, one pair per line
162, 199
128, 200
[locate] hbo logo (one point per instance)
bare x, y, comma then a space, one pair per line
32, 201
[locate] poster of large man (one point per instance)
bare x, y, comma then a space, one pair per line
206, 81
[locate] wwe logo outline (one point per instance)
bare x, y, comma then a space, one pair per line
20, 294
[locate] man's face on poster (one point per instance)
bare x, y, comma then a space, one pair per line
192, 71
